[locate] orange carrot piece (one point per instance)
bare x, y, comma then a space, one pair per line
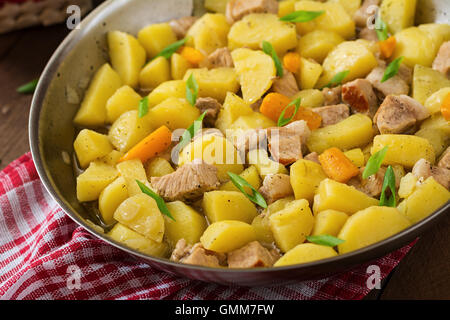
387, 46
274, 104
337, 166
291, 61
445, 108
156, 142
313, 119
192, 55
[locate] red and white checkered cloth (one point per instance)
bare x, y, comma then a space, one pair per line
38, 243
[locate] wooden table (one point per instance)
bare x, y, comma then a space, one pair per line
423, 274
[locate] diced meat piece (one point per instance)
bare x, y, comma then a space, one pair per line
442, 61
275, 187
445, 159
395, 85
424, 169
188, 182
398, 114
196, 255
256, 105
286, 85
252, 255
332, 96
181, 26
368, 34
313, 156
237, 9
249, 140
333, 114
212, 108
359, 95
366, 10
221, 58
373, 185
285, 143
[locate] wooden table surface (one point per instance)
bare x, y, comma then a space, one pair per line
423, 274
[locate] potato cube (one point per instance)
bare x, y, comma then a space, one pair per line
317, 44
178, 66
188, 225
353, 56
123, 100
437, 137
93, 180
285, 7
369, 226
110, 198
436, 122
154, 73
407, 185
260, 159
356, 156
305, 178
209, 33
309, 73
226, 236
291, 225
424, 200
215, 150
255, 120
158, 167
350, 6
427, 81
334, 19
154, 38
169, 89
112, 158
134, 240
354, 132
233, 108
128, 130
310, 98
218, 6
415, 46
403, 149
141, 214
214, 83
174, 113
335, 195
434, 101
438, 33
253, 29
228, 205
90, 145
92, 111
127, 56
131, 171
305, 252
329, 222
250, 175
256, 71
398, 14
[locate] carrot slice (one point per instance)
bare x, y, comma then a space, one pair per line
337, 166
192, 55
291, 61
445, 108
156, 142
387, 46
313, 119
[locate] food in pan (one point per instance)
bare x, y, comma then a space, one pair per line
266, 134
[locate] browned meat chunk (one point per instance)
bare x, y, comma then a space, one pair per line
286, 85
212, 108
237, 9
398, 114
285, 143
251, 139
181, 26
333, 114
359, 95
313, 156
395, 85
252, 255
442, 61
372, 185
444, 162
188, 182
368, 34
364, 12
332, 96
196, 255
275, 187
220, 58
424, 169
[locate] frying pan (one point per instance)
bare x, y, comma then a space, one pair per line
52, 133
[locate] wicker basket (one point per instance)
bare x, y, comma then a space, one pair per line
18, 14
